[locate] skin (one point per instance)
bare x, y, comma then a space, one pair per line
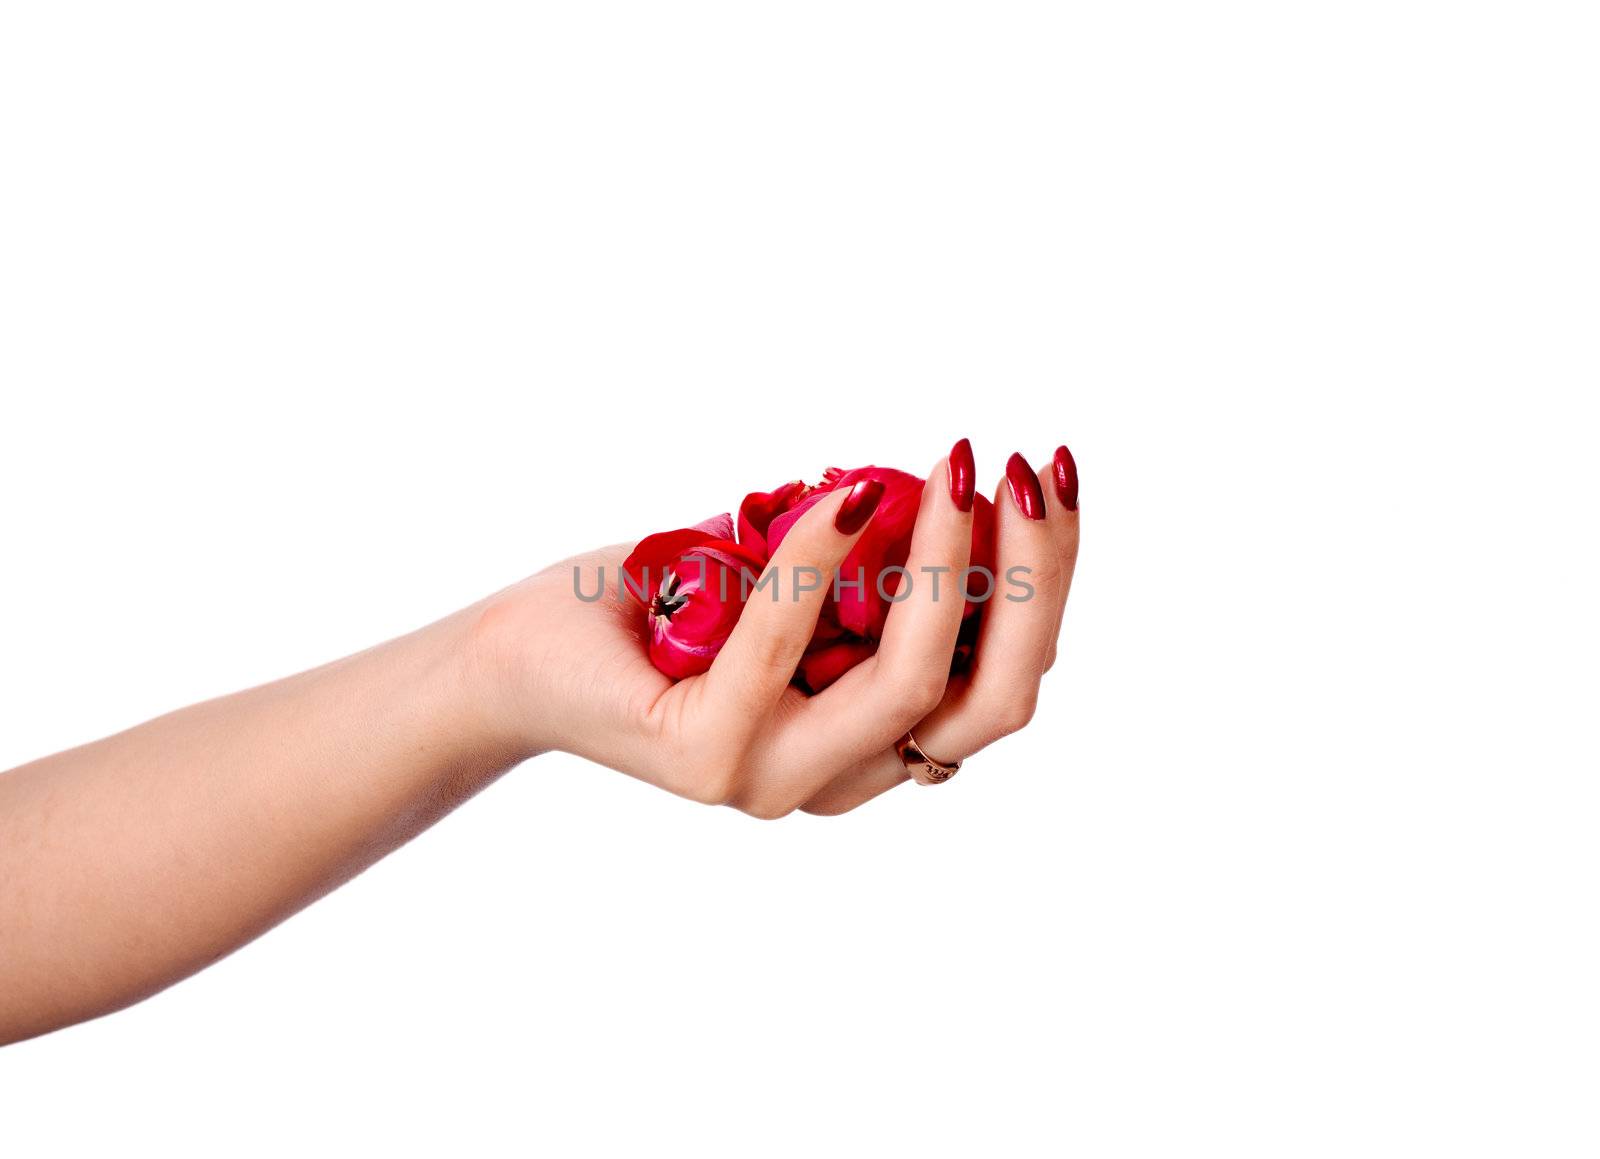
134, 861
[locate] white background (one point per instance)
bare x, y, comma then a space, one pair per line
320, 320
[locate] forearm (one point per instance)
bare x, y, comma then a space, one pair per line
134, 861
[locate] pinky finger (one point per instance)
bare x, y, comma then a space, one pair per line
1060, 482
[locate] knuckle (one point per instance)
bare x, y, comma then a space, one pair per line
912, 684
830, 807
1047, 574
768, 808
921, 691
1014, 713
712, 781
771, 654
1022, 711
763, 652
710, 791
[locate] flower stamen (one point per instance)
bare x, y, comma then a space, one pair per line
669, 596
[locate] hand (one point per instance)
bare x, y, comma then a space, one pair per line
574, 675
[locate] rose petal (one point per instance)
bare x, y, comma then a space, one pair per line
820, 667
708, 561
758, 509
717, 527
655, 554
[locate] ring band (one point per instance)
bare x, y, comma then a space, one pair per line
923, 769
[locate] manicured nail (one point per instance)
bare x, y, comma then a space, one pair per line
1066, 471
1025, 488
858, 506
963, 475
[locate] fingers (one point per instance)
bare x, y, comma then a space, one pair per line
1019, 624
872, 778
1037, 548
1059, 482
759, 659
913, 658
834, 751
871, 705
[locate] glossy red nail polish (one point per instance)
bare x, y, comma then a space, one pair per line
1066, 472
858, 506
963, 475
1025, 487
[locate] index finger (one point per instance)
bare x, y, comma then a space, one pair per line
761, 655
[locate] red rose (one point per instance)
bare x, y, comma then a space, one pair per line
689, 581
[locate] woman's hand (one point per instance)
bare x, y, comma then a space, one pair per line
574, 675
132, 861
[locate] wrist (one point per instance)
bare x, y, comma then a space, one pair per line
450, 701
500, 707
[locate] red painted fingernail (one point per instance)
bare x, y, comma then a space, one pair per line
1025, 488
1066, 470
963, 475
858, 506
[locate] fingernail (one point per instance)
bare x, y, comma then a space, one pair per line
1066, 470
858, 506
1024, 486
963, 476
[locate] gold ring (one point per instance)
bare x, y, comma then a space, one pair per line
923, 769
